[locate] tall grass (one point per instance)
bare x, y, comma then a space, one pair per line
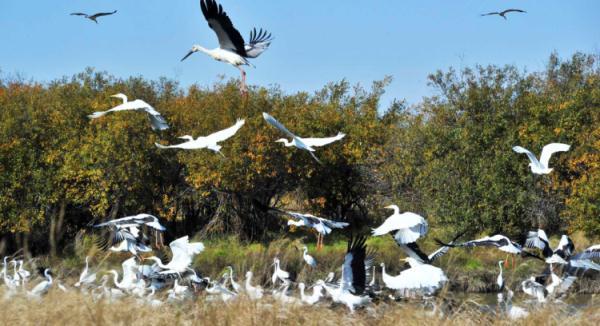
59, 308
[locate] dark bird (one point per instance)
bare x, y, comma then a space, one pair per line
232, 47
503, 13
94, 16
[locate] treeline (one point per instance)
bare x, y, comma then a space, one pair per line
448, 158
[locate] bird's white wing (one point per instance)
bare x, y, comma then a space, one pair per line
318, 142
273, 122
535, 240
259, 42
592, 252
530, 155
401, 221
229, 38
550, 149
225, 133
565, 284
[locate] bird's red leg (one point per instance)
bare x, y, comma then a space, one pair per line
243, 88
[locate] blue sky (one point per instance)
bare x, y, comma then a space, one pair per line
315, 41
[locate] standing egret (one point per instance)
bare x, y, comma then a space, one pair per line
236, 287
42, 287
86, 278
307, 144
500, 279
23, 273
210, 142
254, 292
310, 261
232, 48
541, 166
157, 121
312, 299
321, 225
407, 227
280, 274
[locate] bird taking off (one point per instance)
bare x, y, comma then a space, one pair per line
503, 13
541, 166
232, 47
94, 16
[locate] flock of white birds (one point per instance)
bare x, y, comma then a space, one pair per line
155, 282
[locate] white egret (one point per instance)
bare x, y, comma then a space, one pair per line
183, 252
86, 278
232, 48
307, 144
312, 299
157, 121
321, 225
310, 261
418, 277
541, 166
254, 292
500, 279
42, 287
407, 227
210, 142
235, 285
279, 274
95, 16
24, 274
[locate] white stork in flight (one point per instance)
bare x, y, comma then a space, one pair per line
232, 47
307, 144
157, 121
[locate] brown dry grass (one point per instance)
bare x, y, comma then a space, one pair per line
59, 308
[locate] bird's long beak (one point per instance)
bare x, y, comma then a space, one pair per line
188, 54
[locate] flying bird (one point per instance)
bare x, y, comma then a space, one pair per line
157, 121
407, 227
307, 144
94, 16
321, 225
183, 252
232, 47
419, 276
503, 13
351, 290
541, 166
211, 141
125, 232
